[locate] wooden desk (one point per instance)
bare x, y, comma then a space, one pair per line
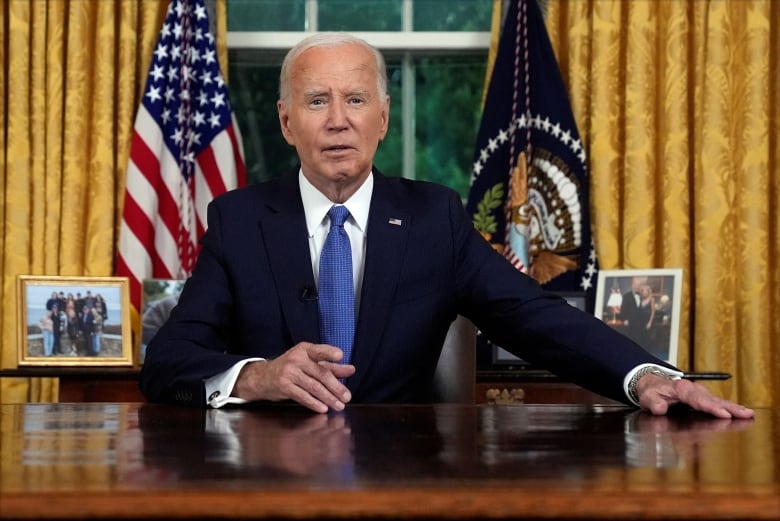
87, 384
129, 460
532, 387
117, 384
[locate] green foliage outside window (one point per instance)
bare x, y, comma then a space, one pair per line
452, 15
447, 87
359, 15
349, 15
447, 112
266, 15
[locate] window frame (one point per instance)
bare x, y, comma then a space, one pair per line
405, 44
386, 41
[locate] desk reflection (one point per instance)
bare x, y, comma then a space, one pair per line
62, 461
240, 442
385, 443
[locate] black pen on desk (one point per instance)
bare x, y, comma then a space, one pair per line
706, 375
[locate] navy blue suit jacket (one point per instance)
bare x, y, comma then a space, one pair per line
251, 294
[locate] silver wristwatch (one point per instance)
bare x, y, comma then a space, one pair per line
633, 394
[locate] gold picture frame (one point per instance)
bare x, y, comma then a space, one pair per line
74, 321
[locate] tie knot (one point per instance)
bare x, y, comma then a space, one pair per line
338, 214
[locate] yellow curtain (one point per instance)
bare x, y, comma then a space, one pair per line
73, 75
496, 22
676, 99
678, 103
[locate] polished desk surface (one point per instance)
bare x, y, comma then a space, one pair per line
132, 460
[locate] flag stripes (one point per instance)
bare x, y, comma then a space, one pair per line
185, 150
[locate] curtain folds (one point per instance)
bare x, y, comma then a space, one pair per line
72, 79
677, 101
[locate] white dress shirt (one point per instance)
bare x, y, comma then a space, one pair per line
315, 208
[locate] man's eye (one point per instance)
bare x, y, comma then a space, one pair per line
355, 101
316, 102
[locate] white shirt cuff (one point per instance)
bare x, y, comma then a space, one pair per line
673, 375
219, 386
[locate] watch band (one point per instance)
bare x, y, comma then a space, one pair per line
633, 394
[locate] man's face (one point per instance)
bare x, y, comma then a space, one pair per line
334, 117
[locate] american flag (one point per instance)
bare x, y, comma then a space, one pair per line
186, 149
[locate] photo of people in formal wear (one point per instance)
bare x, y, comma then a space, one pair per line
644, 306
69, 320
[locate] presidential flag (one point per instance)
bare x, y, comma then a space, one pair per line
529, 186
186, 149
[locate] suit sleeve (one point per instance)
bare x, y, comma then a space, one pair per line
191, 346
516, 313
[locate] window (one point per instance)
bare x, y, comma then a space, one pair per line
436, 57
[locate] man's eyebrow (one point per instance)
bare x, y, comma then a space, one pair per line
313, 93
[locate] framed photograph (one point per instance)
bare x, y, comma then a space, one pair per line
507, 361
74, 321
158, 298
644, 305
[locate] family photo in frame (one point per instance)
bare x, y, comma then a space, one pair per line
74, 321
644, 305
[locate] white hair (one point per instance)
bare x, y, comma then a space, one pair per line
330, 39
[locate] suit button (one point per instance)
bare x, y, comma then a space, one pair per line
182, 395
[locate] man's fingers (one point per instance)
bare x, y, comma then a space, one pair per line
309, 374
311, 393
658, 405
698, 397
323, 352
318, 380
663, 394
339, 370
328, 384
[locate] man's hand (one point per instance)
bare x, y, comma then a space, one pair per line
308, 374
656, 394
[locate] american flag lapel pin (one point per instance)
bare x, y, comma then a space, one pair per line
395, 221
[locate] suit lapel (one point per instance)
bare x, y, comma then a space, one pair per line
388, 233
283, 232
284, 235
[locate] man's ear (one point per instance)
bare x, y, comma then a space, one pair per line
385, 118
284, 121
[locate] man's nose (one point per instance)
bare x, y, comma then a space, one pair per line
337, 115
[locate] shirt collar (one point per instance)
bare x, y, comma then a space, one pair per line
316, 205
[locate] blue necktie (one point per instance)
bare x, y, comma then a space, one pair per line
336, 293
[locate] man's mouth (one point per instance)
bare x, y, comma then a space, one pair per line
336, 148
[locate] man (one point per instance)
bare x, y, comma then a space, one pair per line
86, 323
629, 311
247, 325
59, 320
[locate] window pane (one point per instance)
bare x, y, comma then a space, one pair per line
389, 155
447, 113
254, 86
266, 15
364, 15
452, 15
